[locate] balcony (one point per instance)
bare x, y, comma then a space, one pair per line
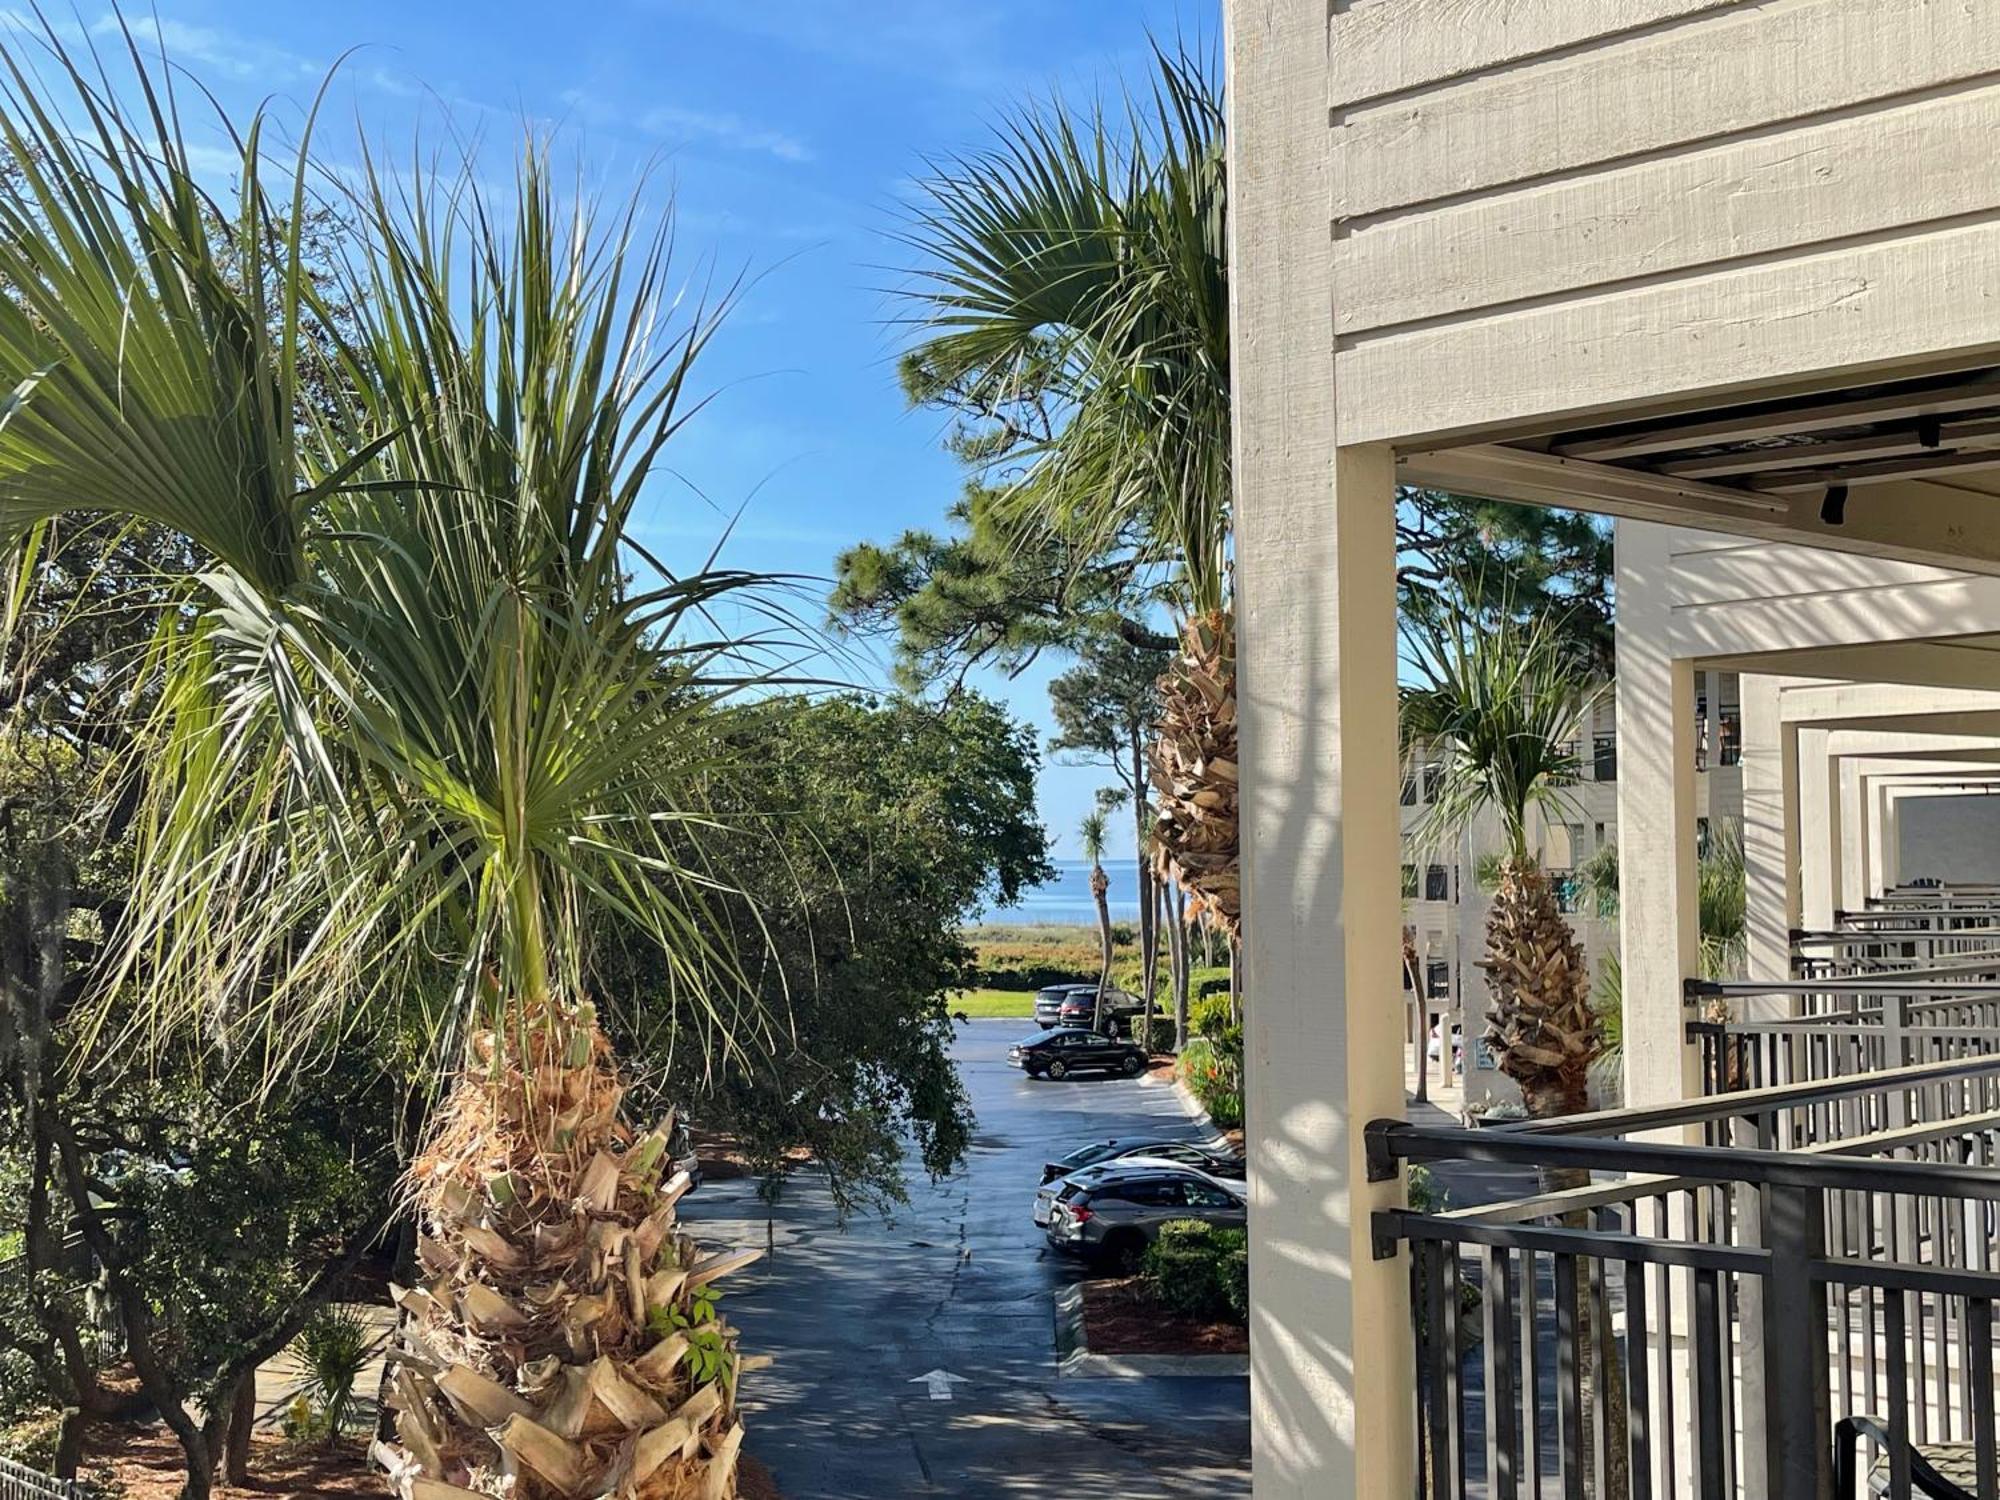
1784, 1288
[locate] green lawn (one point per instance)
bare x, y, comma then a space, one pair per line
984, 1003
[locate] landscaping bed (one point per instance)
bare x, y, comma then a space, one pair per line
143, 1462
1126, 1316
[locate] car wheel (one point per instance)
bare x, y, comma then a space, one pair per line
1130, 1067
1058, 1070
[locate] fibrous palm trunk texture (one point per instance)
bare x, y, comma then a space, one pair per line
563, 1342
1540, 1024
1194, 769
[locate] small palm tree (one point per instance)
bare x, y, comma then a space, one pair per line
427, 719
1090, 838
1503, 699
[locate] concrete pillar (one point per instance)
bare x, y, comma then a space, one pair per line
1770, 829
1660, 933
1331, 1349
1845, 783
1331, 1356
1819, 833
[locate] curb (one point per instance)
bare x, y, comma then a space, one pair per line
1075, 1361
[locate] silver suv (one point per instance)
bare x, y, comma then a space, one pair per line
1112, 1213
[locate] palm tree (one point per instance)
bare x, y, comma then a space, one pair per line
1504, 699
427, 718
1090, 838
1079, 265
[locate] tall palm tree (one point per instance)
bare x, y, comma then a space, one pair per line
427, 718
1504, 700
1080, 265
1090, 838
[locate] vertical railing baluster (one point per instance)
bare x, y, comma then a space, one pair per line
1979, 1320
1710, 1435
1664, 1383
1531, 1373
1638, 1405
1441, 1418
1569, 1382
1455, 1368
1503, 1411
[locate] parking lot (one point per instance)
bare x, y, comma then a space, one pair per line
917, 1357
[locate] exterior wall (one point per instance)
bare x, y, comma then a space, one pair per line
1547, 207
1949, 838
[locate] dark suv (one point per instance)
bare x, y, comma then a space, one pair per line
1075, 1049
1112, 1213
1049, 1002
1120, 1009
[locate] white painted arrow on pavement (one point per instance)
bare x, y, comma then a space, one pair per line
940, 1383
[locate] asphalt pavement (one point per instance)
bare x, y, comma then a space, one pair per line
916, 1356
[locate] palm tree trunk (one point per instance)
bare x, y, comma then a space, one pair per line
1100, 890
1177, 936
565, 1334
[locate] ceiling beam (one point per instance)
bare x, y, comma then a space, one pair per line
1957, 436
1815, 416
1919, 466
1930, 524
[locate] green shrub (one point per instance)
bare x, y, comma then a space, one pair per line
1209, 1016
1425, 1196
1162, 1039
32, 1440
1199, 1270
1212, 1068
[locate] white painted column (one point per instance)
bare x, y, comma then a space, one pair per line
1330, 1340
1852, 885
1660, 933
1770, 831
1819, 833
1331, 1349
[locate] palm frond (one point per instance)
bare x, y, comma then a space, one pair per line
1504, 702
429, 716
1082, 260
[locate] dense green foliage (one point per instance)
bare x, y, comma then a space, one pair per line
880, 829
1212, 1068
1200, 1270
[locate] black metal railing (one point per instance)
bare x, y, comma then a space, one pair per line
19, 1482
1716, 1298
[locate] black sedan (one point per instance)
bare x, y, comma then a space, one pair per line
1076, 1049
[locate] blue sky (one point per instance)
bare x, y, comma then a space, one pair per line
788, 132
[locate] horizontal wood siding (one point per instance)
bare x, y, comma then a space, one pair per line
1859, 175
1728, 596
1773, 570
1739, 69
1878, 308
1394, 45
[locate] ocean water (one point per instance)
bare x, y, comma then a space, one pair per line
1066, 899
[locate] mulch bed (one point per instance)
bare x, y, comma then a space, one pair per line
145, 1462
1124, 1317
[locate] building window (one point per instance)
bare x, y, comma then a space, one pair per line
1604, 756
1729, 738
1437, 884
1437, 979
1433, 781
1409, 882
1409, 789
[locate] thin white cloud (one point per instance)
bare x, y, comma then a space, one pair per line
225, 51
725, 129
675, 123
